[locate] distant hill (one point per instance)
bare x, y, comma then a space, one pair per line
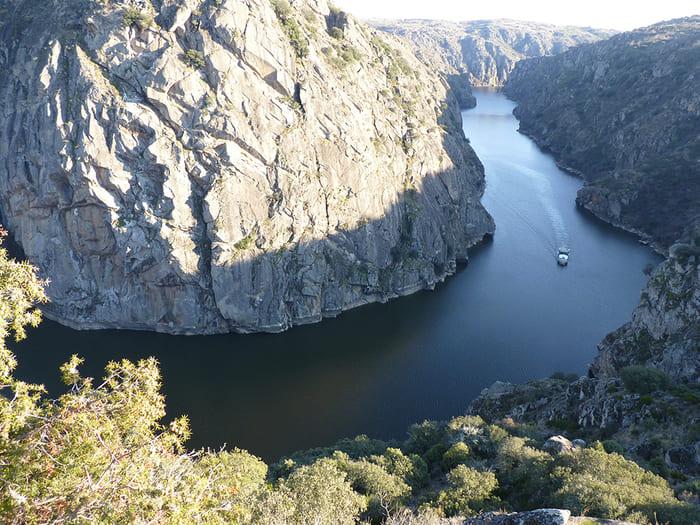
483, 53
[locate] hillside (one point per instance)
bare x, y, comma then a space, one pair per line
625, 115
483, 53
204, 166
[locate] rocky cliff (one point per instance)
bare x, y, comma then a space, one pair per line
483, 53
625, 115
203, 166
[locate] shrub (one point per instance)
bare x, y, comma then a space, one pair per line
133, 15
434, 455
336, 33
523, 473
611, 446
469, 491
194, 58
317, 493
606, 485
456, 454
290, 28
644, 380
372, 480
411, 469
561, 376
281, 8
423, 436
658, 466
351, 54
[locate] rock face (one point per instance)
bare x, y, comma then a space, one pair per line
665, 328
483, 53
202, 166
531, 517
625, 114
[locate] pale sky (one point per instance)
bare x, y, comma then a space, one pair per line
602, 14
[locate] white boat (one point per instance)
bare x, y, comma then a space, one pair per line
563, 256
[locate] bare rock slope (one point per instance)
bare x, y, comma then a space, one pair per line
199, 166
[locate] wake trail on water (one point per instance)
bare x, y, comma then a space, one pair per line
559, 235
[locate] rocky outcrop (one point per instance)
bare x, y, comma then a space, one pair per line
531, 517
484, 52
664, 332
202, 166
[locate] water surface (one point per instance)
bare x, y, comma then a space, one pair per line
511, 315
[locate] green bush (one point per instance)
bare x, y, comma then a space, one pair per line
194, 58
469, 493
133, 15
317, 493
368, 478
606, 485
336, 33
411, 469
281, 8
644, 380
455, 455
423, 436
524, 473
434, 455
290, 28
611, 446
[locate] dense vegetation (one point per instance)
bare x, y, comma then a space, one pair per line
99, 453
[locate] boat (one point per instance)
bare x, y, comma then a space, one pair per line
563, 256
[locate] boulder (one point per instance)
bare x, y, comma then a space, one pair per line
556, 445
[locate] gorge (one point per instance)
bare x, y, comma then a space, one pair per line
225, 166
511, 315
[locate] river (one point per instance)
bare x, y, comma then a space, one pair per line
513, 314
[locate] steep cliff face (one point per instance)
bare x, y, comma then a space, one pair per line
483, 53
625, 114
199, 166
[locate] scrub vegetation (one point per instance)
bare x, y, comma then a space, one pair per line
101, 454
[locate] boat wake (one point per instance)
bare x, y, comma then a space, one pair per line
558, 236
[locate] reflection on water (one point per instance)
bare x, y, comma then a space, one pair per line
512, 314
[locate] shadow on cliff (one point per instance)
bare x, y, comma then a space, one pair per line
416, 243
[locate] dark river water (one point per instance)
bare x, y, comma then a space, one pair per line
513, 314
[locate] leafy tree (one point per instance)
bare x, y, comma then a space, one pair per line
456, 454
317, 494
194, 58
133, 15
388, 490
470, 491
411, 469
607, 485
423, 436
523, 473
